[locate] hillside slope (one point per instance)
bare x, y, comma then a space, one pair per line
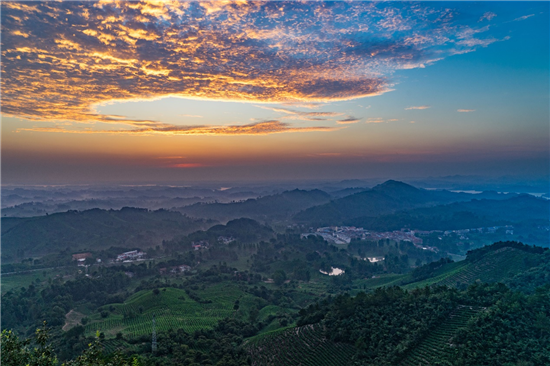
277, 207
499, 262
91, 229
305, 346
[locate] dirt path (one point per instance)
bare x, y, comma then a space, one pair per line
72, 319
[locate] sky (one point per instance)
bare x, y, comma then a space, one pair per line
170, 91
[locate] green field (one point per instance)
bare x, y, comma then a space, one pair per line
305, 346
16, 281
173, 309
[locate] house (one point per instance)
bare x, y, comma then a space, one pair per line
83, 256
184, 268
198, 245
130, 256
81, 262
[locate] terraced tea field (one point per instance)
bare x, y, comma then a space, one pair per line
173, 309
497, 266
503, 263
306, 346
437, 344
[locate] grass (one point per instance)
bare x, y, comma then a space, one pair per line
16, 281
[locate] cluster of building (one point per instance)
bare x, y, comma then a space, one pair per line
130, 256
344, 235
509, 230
396, 235
226, 239
202, 244
174, 270
338, 234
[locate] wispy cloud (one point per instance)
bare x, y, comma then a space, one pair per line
375, 120
524, 17
348, 120
186, 165
380, 120
465, 110
191, 115
304, 105
62, 59
487, 16
418, 107
307, 116
259, 128
326, 154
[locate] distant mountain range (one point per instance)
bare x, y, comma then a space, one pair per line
388, 206
278, 207
383, 199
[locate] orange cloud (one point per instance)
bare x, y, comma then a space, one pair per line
259, 128
418, 107
307, 116
61, 59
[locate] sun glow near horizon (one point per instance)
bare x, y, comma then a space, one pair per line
269, 83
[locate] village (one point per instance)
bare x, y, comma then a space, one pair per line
343, 235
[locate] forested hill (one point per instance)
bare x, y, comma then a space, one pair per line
276, 207
437, 326
92, 229
241, 230
385, 198
461, 215
505, 262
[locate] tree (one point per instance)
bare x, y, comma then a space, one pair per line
279, 277
16, 352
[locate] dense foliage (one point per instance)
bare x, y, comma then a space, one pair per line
387, 324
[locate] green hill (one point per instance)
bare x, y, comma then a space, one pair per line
173, 309
499, 262
278, 207
438, 343
486, 324
91, 230
306, 345
243, 229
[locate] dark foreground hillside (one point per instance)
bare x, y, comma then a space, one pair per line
484, 325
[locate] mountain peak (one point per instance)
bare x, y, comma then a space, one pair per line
393, 185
